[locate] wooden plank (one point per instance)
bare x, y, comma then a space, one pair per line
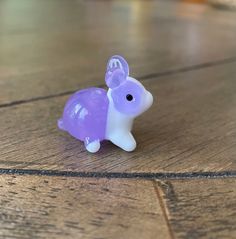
190, 128
202, 208
57, 207
60, 48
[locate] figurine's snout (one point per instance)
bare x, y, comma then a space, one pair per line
148, 100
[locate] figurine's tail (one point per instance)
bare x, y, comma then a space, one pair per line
60, 124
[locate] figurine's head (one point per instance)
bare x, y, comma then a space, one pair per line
129, 95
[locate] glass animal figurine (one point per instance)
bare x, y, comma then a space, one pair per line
94, 114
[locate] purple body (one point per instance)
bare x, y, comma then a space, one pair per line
85, 115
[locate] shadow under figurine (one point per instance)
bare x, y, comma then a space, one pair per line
94, 114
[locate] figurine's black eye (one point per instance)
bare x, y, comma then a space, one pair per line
129, 97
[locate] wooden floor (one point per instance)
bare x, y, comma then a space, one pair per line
181, 180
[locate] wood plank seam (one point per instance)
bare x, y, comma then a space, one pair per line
163, 208
150, 176
200, 208
58, 208
190, 68
141, 78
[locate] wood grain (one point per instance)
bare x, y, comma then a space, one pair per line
57, 207
51, 47
201, 208
184, 54
190, 128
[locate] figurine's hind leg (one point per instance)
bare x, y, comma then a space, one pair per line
92, 146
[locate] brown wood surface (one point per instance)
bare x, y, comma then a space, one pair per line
185, 54
64, 46
57, 207
190, 128
201, 208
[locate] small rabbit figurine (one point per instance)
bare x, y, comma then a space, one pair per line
94, 114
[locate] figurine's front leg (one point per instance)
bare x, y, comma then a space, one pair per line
124, 140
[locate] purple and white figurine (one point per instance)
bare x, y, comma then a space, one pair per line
94, 114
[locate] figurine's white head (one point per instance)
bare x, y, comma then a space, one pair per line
128, 95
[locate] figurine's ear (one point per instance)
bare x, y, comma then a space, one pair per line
115, 79
117, 62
